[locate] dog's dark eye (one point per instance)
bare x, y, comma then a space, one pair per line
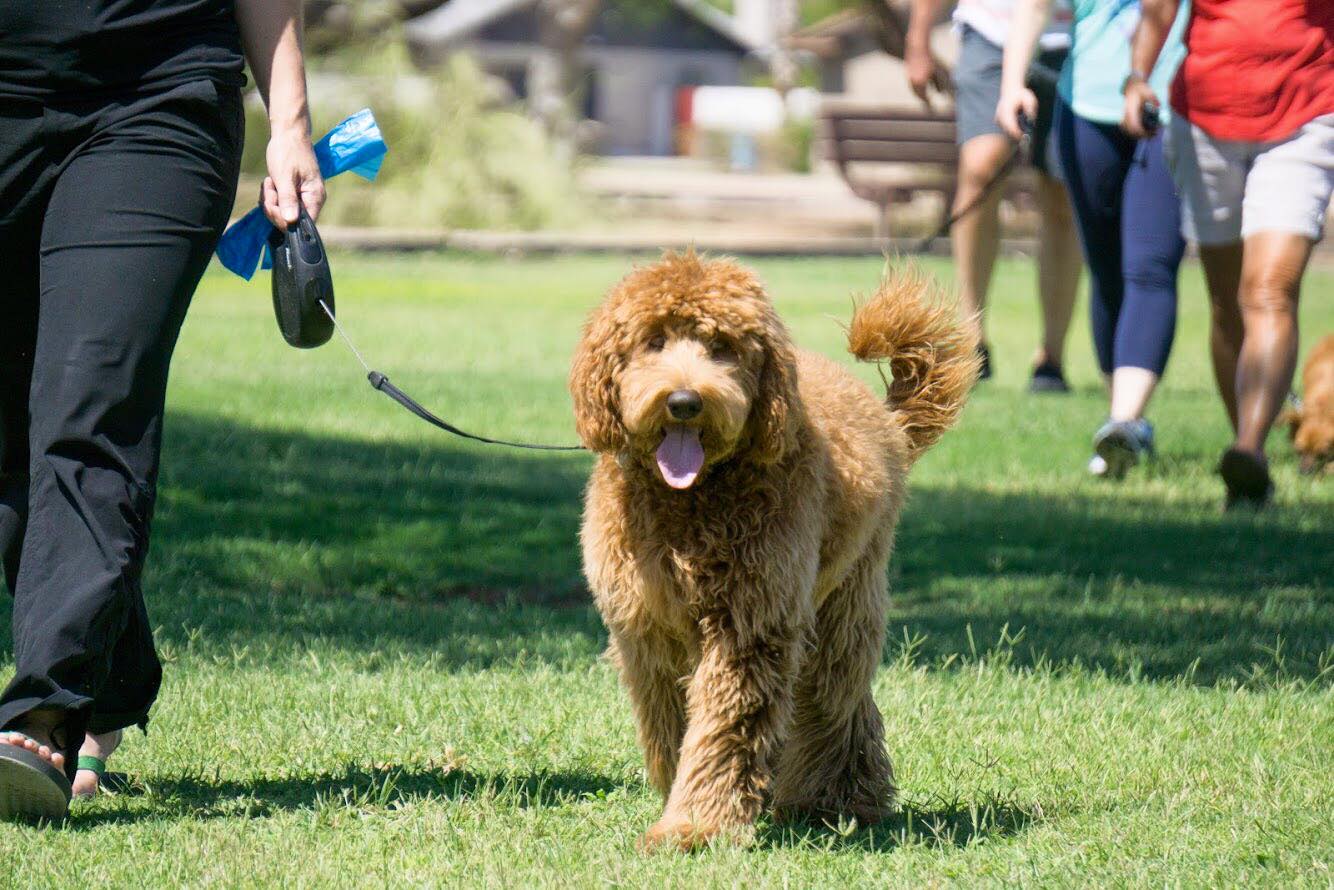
657, 343
721, 350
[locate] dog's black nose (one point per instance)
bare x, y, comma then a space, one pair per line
684, 404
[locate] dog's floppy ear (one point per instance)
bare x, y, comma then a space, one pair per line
593, 376
775, 414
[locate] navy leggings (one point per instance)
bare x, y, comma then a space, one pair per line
1129, 221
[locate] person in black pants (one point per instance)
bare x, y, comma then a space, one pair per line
121, 129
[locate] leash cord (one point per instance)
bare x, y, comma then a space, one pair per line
943, 229
381, 383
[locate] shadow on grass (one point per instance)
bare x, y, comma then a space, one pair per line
268, 542
932, 823
355, 788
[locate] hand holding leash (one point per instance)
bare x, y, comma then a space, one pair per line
1140, 116
1015, 111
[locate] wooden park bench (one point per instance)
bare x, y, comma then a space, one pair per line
864, 138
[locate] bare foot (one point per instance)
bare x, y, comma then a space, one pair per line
35, 735
102, 746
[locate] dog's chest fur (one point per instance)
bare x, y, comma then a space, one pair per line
658, 559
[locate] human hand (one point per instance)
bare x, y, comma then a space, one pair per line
921, 68
294, 178
1013, 104
1138, 94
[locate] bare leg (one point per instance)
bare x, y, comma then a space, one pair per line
1271, 279
976, 237
835, 763
1131, 390
1222, 274
1059, 265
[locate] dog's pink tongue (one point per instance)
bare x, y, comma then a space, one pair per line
680, 456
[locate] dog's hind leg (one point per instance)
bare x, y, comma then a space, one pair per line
835, 763
653, 676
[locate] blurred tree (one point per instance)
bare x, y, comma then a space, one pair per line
555, 76
891, 28
554, 82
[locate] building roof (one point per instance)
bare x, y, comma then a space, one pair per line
458, 20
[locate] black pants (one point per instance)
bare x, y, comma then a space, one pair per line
109, 211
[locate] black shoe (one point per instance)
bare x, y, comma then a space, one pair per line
1246, 476
984, 353
1048, 378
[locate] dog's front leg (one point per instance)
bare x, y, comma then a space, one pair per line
652, 672
738, 705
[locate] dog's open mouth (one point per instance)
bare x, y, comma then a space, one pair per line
680, 456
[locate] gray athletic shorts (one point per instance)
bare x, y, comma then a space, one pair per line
977, 81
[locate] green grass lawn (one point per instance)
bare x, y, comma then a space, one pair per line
383, 666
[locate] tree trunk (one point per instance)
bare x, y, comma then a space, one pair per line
782, 66
555, 74
891, 26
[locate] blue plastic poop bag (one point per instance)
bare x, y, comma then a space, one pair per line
354, 145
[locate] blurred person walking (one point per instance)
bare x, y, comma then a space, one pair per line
1125, 203
120, 140
983, 150
1251, 145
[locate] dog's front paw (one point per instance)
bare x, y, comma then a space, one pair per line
688, 835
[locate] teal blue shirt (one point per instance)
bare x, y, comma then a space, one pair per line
1099, 61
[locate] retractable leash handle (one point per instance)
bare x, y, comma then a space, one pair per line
303, 292
1149, 119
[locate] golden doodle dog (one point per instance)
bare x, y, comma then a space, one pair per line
736, 532
1312, 425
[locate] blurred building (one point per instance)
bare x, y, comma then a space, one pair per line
637, 57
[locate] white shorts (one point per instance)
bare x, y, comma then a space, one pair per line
1230, 190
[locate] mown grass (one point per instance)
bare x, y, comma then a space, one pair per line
383, 665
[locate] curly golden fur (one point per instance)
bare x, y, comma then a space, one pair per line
1312, 425
746, 598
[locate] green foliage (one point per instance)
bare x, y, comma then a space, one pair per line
383, 667
796, 144
810, 11
457, 157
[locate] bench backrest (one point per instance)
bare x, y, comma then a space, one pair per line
862, 132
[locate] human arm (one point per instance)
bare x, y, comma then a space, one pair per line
271, 37
1030, 17
917, 60
1156, 17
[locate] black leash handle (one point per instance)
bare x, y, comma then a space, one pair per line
381, 382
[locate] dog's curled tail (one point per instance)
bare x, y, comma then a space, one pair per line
933, 359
